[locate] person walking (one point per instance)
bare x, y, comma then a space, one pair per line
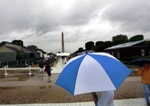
41, 66
105, 98
144, 72
48, 70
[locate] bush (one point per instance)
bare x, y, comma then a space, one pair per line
20, 56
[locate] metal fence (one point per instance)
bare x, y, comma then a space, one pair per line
19, 63
5, 56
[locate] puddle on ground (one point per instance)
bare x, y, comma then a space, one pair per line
43, 87
49, 86
15, 77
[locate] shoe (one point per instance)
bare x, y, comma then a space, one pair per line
49, 81
39, 75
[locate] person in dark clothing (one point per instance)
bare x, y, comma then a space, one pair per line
48, 70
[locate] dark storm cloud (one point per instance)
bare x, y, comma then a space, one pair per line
131, 15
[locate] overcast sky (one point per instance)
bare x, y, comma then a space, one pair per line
41, 22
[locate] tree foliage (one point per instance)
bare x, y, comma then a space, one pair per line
17, 42
118, 39
100, 45
20, 56
32, 47
89, 45
148, 43
136, 38
80, 49
108, 44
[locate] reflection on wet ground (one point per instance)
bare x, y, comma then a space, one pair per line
43, 87
16, 77
41, 77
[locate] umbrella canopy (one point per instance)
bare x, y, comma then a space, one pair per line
140, 61
92, 72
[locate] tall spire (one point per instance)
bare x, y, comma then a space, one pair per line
62, 41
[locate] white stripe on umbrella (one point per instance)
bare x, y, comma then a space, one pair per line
96, 80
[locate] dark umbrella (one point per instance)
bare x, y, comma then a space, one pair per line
140, 61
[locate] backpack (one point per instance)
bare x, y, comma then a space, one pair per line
41, 65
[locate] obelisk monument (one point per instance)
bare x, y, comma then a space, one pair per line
62, 41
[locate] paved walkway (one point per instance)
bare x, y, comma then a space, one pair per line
125, 102
56, 70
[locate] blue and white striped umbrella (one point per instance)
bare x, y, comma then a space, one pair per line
92, 72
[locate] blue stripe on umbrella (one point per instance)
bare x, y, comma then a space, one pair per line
121, 71
69, 75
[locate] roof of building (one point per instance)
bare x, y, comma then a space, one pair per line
14, 49
41, 50
124, 45
29, 49
3, 42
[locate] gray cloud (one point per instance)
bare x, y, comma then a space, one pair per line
130, 15
41, 18
23, 15
83, 11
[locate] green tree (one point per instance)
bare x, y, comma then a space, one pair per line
136, 38
89, 45
148, 43
17, 42
80, 49
32, 47
108, 44
119, 39
100, 46
20, 56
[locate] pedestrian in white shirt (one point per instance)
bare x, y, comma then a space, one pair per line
106, 98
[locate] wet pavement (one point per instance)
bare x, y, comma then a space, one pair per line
33, 79
24, 79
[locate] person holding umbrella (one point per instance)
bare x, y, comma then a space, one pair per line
144, 72
105, 98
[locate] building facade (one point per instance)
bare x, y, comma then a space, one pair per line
128, 50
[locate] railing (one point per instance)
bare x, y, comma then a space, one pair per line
27, 63
6, 68
19, 63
